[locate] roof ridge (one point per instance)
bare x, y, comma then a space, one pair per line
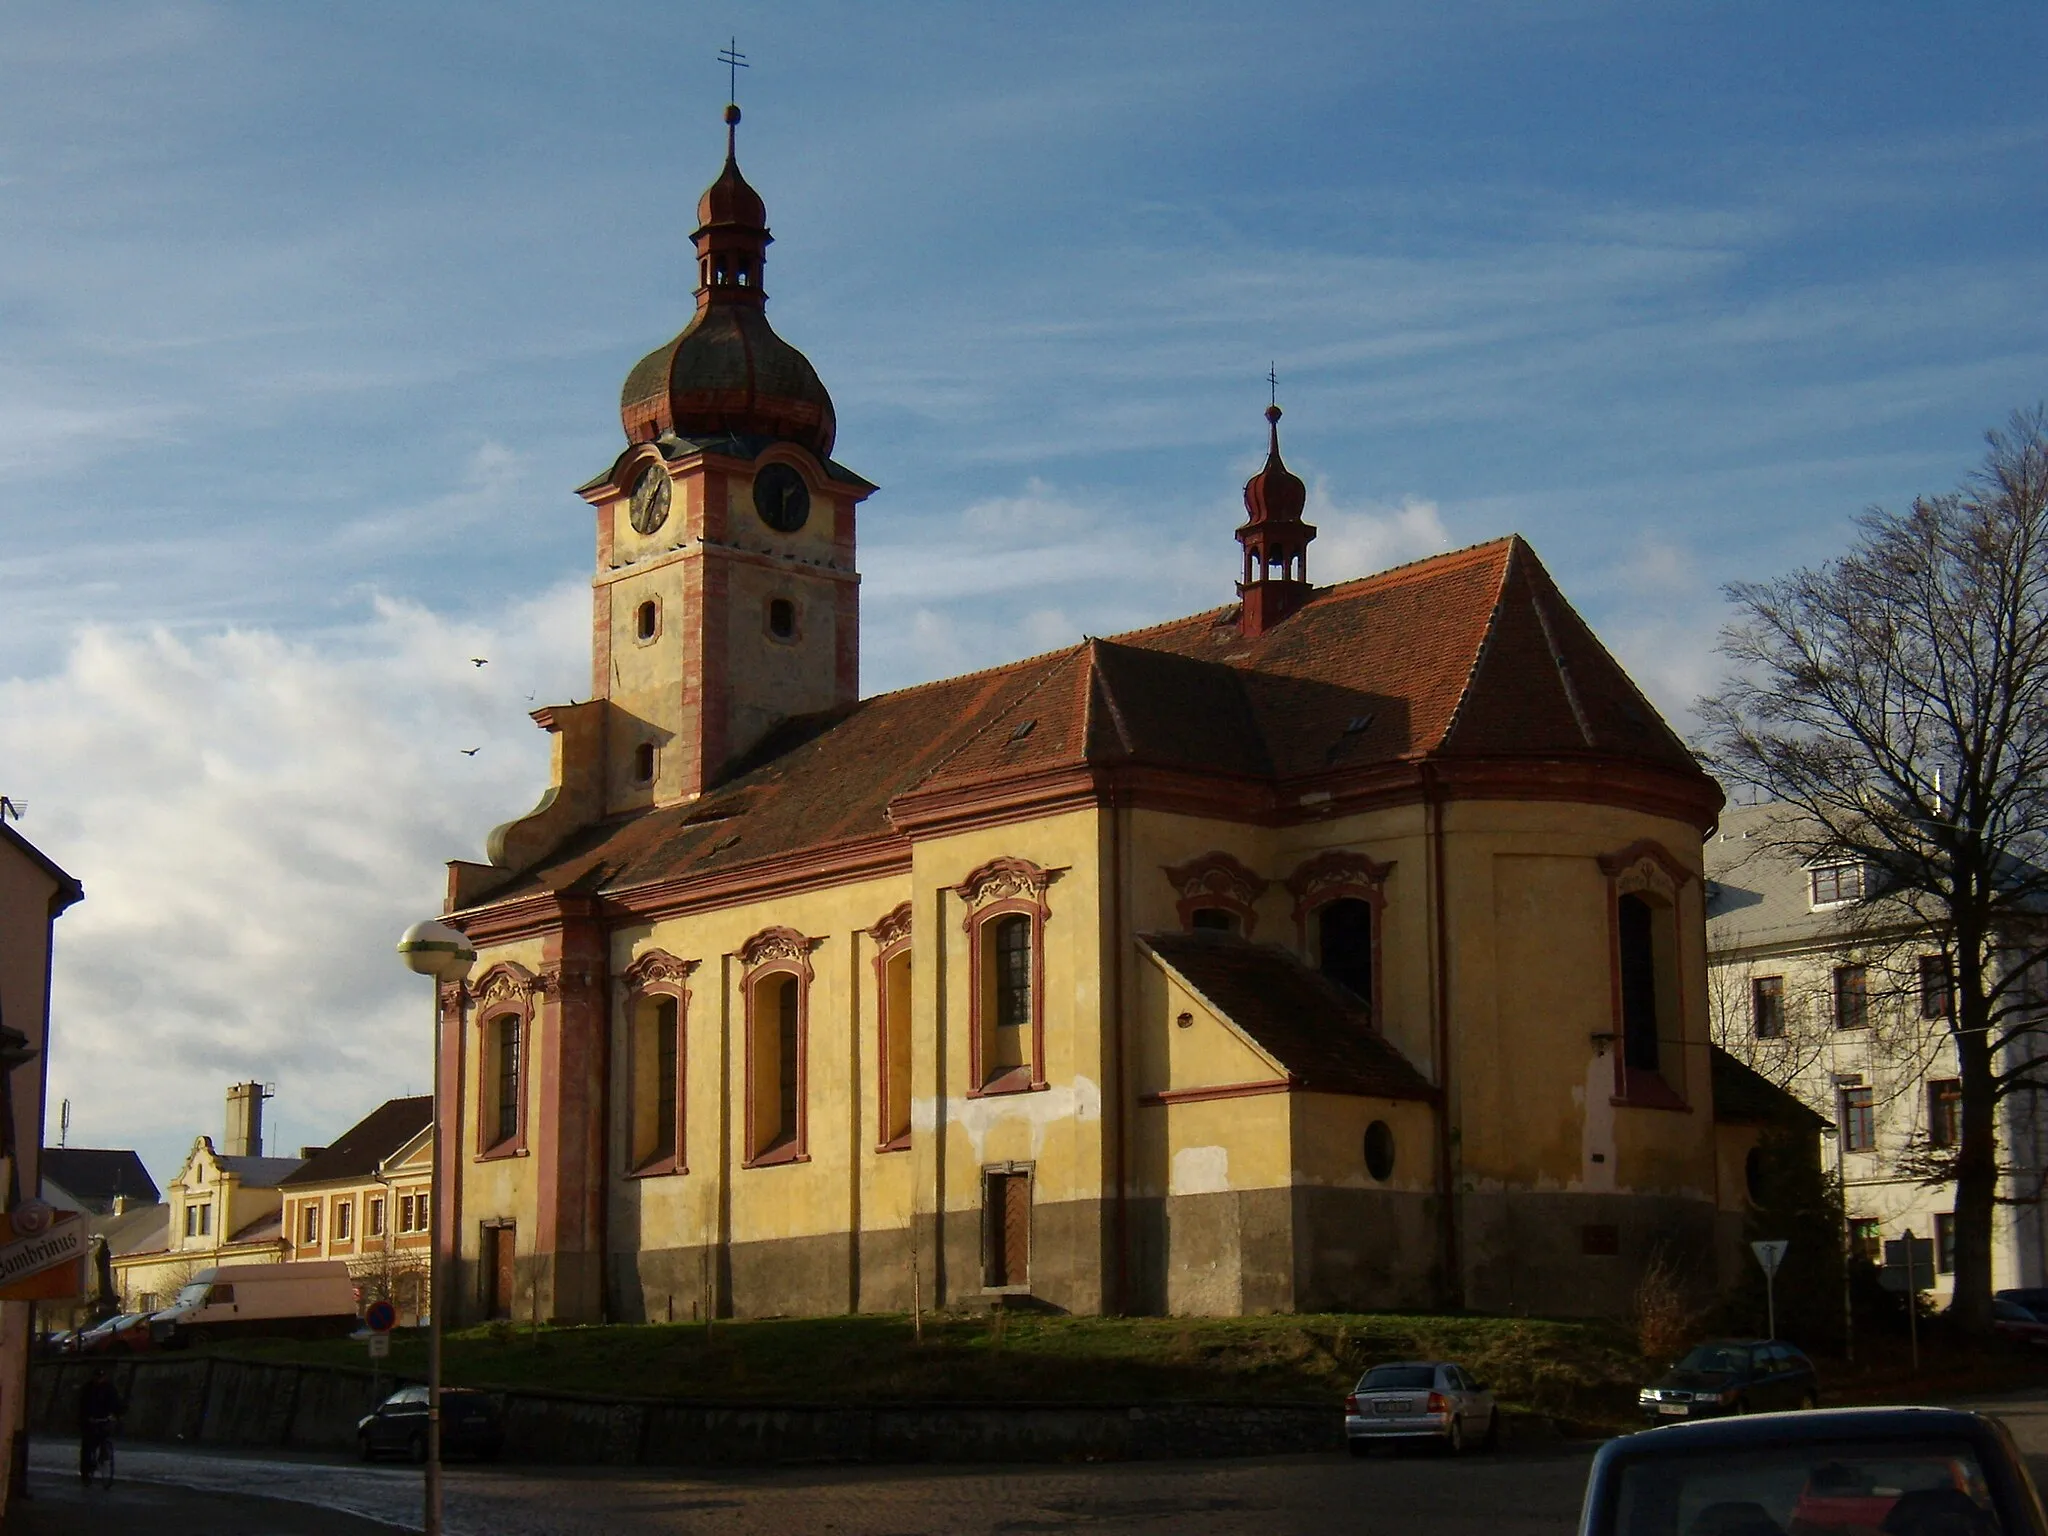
1515, 544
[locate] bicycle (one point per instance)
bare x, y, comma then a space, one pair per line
103, 1451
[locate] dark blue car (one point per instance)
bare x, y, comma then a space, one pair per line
470, 1426
1831, 1472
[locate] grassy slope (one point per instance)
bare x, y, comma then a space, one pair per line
1583, 1372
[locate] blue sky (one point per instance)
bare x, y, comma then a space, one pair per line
313, 315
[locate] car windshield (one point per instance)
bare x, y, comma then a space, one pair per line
1822, 1490
1398, 1378
1715, 1357
194, 1295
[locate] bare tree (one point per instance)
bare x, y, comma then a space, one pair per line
1896, 699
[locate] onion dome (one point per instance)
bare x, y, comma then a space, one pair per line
728, 373
1275, 493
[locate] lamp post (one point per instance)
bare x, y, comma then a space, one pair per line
437, 950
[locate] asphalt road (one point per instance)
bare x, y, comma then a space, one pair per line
1527, 1492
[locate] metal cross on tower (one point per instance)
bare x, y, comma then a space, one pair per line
734, 61
1272, 384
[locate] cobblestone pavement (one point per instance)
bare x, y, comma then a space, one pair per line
1276, 1496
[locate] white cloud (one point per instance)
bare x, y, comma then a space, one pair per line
255, 819
1357, 541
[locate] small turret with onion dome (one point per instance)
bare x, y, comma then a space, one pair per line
1275, 540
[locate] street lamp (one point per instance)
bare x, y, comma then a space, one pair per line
437, 950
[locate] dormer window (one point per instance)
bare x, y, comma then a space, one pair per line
1834, 884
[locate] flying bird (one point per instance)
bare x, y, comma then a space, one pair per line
471, 751
480, 661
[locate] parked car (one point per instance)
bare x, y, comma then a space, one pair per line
2033, 1297
1731, 1376
470, 1425
63, 1341
245, 1300
1419, 1400
117, 1335
2020, 1324
1899, 1471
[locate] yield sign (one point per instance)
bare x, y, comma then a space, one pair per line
1770, 1255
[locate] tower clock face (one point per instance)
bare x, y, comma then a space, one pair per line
650, 499
782, 498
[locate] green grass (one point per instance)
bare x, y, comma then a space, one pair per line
1577, 1371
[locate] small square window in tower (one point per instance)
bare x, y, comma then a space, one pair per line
782, 618
1006, 1225
646, 620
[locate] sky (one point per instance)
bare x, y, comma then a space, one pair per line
311, 316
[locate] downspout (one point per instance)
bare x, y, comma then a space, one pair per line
1433, 804
1120, 1210
604, 1120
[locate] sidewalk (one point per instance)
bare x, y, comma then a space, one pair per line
61, 1508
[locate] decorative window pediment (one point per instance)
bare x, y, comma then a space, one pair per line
779, 945
1005, 879
656, 967
1645, 866
1218, 879
506, 982
893, 928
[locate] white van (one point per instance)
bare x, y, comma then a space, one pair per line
250, 1299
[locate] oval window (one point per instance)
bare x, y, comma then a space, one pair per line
1753, 1174
1379, 1150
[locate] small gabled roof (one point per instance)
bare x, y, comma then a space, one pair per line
139, 1229
1744, 1096
1320, 1034
95, 1176
361, 1149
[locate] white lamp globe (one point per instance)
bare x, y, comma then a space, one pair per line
437, 950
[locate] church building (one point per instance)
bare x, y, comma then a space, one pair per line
1336, 947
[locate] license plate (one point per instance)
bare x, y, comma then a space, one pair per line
1676, 1409
1390, 1407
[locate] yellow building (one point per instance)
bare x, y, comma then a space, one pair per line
223, 1206
366, 1200
1339, 946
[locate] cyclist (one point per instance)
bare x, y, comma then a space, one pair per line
99, 1405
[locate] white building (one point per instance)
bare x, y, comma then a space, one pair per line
1845, 1003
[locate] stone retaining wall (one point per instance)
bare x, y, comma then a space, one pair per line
214, 1401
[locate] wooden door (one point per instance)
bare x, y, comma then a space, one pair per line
1009, 1228
499, 1275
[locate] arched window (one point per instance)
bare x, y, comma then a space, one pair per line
1013, 971
505, 1044
895, 1107
1636, 922
782, 618
1344, 945
1213, 919
1005, 925
775, 1069
656, 1079
646, 620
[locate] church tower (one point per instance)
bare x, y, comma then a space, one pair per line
726, 594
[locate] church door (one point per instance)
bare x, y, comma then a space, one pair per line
499, 1275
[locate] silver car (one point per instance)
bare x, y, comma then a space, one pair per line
1420, 1400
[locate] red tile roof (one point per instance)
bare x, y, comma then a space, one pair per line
1465, 655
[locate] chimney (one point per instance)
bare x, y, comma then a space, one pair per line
245, 1121
120, 1205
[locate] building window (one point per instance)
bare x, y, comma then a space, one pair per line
1852, 997
1944, 1113
782, 618
1344, 945
344, 1220
1637, 922
1866, 1239
405, 1213
1379, 1151
199, 1220
1767, 1007
643, 763
1944, 1243
1937, 990
1007, 1017
420, 1214
310, 1221
646, 620
1213, 920
1859, 1120
1836, 883
376, 1228
1006, 1228
775, 1068
1013, 971
895, 1047
656, 1073
502, 1079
